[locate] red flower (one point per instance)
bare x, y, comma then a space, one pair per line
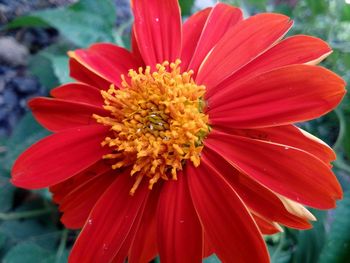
212, 136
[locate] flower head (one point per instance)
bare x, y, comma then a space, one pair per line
186, 146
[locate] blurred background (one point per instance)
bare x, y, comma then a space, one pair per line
34, 38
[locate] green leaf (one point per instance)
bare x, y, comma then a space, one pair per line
83, 23
26, 252
61, 259
346, 142
51, 65
337, 246
2, 240
310, 242
317, 6
212, 259
260, 4
186, 7
42, 68
346, 13
44, 234
60, 67
26, 21
6, 194
27, 132
279, 252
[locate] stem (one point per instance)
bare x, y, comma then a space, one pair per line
62, 245
278, 249
342, 124
341, 164
26, 214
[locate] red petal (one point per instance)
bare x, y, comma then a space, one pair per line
80, 73
157, 29
192, 30
288, 171
289, 136
266, 227
229, 226
207, 247
110, 223
242, 44
179, 230
57, 115
222, 17
134, 45
77, 204
61, 190
107, 61
256, 197
293, 50
144, 246
283, 96
58, 157
78, 92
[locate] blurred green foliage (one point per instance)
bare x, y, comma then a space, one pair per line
29, 223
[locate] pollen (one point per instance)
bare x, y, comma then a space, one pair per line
157, 122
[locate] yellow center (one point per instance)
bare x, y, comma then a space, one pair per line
157, 122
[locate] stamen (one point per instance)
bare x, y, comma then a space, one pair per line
156, 122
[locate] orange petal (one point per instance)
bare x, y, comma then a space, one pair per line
78, 92
58, 157
144, 247
266, 227
255, 196
107, 233
179, 230
230, 227
285, 170
288, 135
77, 204
57, 114
192, 30
103, 61
221, 18
283, 96
242, 44
157, 30
293, 50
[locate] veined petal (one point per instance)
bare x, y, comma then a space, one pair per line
144, 246
259, 199
191, 31
80, 73
106, 61
78, 92
179, 230
153, 21
207, 247
61, 190
77, 205
288, 171
221, 18
57, 114
298, 49
266, 227
59, 157
283, 96
297, 209
134, 45
289, 135
258, 32
226, 221
110, 222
